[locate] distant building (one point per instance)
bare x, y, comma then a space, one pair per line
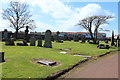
21, 35
86, 34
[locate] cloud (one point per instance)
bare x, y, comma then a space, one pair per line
65, 16
81, 13
55, 8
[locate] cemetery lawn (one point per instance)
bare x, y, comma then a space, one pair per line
19, 58
83, 48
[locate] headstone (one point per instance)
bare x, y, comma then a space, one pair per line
60, 41
32, 41
76, 39
88, 41
48, 43
118, 42
46, 62
107, 46
106, 41
5, 34
2, 57
9, 41
22, 44
83, 39
112, 39
39, 43
101, 46
26, 34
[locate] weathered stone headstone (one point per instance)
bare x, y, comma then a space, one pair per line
26, 34
48, 43
2, 57
32, 41
9, 41
5, 34
39, 42
46, 62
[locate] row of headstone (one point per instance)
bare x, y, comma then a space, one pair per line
76, 39
47, 43
102, 46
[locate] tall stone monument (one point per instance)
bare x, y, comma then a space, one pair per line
112, 39
26, 34
48, 43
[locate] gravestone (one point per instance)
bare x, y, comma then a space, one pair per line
39, 43
46, 62
88, 41
76, 39
2, 57
9, 41
5, 34
118, 42
112, 39
106, 41
83, 39
22, 44
107, 46
60, 41
32, 41
101, 46
26, 34
48, 43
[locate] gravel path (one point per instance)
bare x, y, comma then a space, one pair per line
106, 67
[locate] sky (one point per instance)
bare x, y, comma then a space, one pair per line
63, 15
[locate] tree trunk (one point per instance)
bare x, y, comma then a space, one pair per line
16, 34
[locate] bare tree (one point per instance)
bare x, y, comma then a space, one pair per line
93, 21
18, 15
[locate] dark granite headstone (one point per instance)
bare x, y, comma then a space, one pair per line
48, 43
2, 57
101, 46
32, 41
107, 46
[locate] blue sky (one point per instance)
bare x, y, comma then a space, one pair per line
57, 15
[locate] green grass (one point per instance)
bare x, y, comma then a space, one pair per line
19, 58
82, 48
